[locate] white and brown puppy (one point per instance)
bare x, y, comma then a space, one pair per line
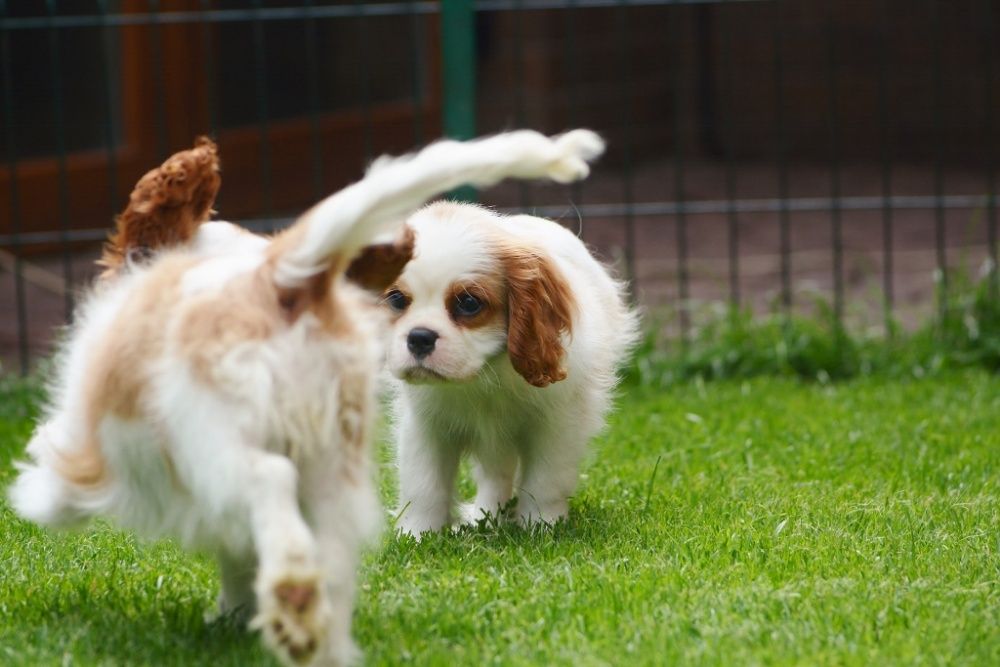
222, 392
506, 343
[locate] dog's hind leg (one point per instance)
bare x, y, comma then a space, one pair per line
292, 607
336, 518
293, 610
237, 575
242, 486
550, 471
343, 508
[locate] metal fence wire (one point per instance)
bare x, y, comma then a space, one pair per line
762, 152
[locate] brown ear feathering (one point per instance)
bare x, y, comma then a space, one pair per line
378, 266
167, 205
540, 311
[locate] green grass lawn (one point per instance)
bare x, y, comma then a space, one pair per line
758, 522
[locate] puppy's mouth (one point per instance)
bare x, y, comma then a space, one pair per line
422, 375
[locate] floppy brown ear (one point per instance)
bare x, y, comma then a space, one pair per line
540, 310
378, 266
167, 205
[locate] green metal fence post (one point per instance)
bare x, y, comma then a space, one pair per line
458, 52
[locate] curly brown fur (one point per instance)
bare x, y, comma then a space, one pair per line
166, 207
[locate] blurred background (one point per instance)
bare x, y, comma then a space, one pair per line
771, 154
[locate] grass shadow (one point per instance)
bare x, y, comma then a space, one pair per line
102, 625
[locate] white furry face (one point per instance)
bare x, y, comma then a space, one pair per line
450, 302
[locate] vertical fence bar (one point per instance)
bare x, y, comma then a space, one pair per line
366, 89
519, 112
730, 149
312, 92
210, 74
458, 52
704, 94
940, 239
676, 84
781, 147
885, 36
264, 145
110, 138
835, 183
573, 64
417, 71
20, 303
991, 176
625, 60
156, 66
55, 75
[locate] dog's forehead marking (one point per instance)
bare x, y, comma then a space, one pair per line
448, 250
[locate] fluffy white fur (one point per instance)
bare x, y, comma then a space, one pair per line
467, 397
234, 393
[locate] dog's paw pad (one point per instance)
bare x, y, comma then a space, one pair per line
297, 596
293, 617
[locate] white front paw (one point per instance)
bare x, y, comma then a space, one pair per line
415, 523
549, 513
473, 514
469, 514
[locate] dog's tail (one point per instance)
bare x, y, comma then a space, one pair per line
328, 236
44, 494
166, 207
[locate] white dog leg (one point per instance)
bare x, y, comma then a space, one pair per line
426, 479
494, 475
237, 576
292, 608
342, 506
549, 475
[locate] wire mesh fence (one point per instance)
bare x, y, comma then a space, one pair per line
762, 152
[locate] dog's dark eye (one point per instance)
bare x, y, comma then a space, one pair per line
467, 305
396, 300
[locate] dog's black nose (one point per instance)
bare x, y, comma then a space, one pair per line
421, 342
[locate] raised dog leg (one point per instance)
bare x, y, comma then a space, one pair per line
241, 481
293, 612
343, 508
